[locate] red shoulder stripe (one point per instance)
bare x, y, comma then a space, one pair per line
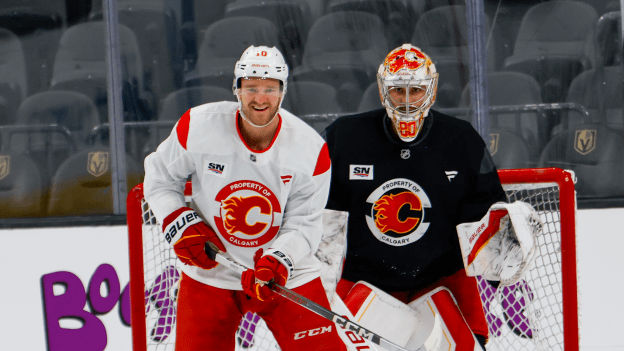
183, 128
323, 163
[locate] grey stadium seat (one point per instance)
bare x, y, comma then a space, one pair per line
82, 185
13, 80
344, 49
21, 187
555, 42
223, 44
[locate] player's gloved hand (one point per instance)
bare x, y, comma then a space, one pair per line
267, 268
189, 233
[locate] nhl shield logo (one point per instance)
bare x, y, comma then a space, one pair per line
97, 164
405, 154
5, 166
585, 141
494, 143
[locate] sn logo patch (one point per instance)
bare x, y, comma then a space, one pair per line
361, 172
216, 169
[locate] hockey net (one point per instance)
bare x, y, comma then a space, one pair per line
538, 313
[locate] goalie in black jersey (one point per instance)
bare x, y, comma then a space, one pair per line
408, 176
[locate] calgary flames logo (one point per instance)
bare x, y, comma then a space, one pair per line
237, 210
387, 210
250, 214
398, 212
411, 59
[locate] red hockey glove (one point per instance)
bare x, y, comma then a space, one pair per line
188, 231
267, 268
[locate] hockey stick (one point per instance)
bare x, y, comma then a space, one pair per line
216, 255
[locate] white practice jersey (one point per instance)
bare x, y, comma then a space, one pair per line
271, 199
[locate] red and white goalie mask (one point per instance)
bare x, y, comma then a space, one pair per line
408, 83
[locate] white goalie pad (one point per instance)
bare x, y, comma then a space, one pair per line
332, 249
433, 320
501, 246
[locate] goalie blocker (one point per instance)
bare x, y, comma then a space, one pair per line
501, 246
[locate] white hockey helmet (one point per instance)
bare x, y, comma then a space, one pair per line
261, 62
407, 69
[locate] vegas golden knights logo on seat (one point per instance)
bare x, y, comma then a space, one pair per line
5, 163
585, 141
494, 143
97, 164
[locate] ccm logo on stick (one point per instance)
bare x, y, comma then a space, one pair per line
312, 332
361, 172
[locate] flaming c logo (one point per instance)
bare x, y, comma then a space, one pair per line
249, 213
387, 212
401, 58
397, 214
237, 209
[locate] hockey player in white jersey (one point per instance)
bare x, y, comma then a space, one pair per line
260, 181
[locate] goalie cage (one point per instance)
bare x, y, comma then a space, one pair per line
538, 313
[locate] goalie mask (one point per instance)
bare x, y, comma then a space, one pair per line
260, 62
408, 83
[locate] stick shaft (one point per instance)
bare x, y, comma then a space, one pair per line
214, 253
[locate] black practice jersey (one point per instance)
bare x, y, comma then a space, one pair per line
405, 199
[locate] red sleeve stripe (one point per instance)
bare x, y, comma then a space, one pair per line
323, 163
183, 128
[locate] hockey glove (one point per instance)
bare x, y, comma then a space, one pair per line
189, 233
267, 269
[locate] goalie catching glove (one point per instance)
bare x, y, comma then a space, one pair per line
501, 246
269, 267
189, 233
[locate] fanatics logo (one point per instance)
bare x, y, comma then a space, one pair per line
216, 169
360, 172
286, 179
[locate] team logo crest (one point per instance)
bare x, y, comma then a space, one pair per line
494, 143
250, 214
397, 214
585, 141
97, 163
5, 166
400, 58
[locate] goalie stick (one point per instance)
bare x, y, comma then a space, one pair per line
217, 255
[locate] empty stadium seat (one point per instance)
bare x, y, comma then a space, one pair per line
594, 152
555, 42
82, 185
80, 65
344, 49
513, 89
370, 99
290, 17
13, 80
39, 25
223, 44
442, 33
21, 187
510, 150
306, 98
396, 16
155, 25
70, 110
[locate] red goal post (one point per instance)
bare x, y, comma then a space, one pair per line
539, 313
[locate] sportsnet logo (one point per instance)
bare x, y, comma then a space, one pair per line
361, 172
217, 169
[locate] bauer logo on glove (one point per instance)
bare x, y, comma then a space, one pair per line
501, 246
190, 234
